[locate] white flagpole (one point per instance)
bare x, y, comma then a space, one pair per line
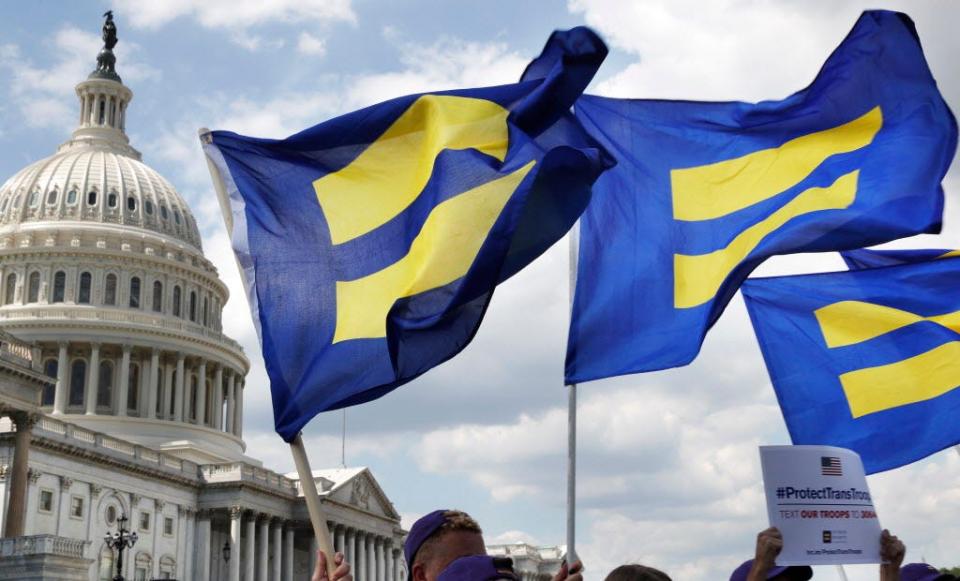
843, 573
572, 418
307, 484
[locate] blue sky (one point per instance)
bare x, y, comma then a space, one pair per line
668, 462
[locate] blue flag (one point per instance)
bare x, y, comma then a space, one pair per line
371, 243
864, 258
866, 359
703, 192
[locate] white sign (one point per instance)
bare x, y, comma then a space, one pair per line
818, 497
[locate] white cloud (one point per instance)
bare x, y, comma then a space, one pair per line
311, 45
234, 13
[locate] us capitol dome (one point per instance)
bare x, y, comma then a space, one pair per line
103, 268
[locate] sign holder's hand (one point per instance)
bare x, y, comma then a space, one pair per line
341, 573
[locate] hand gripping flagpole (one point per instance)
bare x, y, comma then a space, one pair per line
307, 485
572, 418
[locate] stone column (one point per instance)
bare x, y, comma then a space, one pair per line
381, 567
60, 395
93, 380
351, 549
165, 393
391, 560
288, 554
178, 393
398, 565
238, 423
234, 566
263, 547
124, 382
231, 402
276, 569
17, 500
216, 414
361, 564
152, 383
201, 402
202, 572
250, 555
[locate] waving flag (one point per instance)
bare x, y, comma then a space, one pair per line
866, 359
371, 243
703, 192
864, 258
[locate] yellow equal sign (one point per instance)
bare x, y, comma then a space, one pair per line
719, 189
911, 380
387, 177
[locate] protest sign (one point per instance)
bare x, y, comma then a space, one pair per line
818, 497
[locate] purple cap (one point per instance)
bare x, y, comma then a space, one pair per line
479, 568
922, 572
420, 532
801, 573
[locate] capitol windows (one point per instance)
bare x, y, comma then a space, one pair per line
204, 311
34, 199
103, 111
193, 306
50, 367
133, 388
144, 521
78, 380
193, 397
176, 301
105, 385
92, 198
72, 196
83, 295
110, 515
76, 507
52, 196
148, 206
45, 503
59, 286
163, 212
135, 292
112, 200
167, 526
10, 289
176, 217
157, 296
110, 290
3, 205
33, 288
131, 204
143, 565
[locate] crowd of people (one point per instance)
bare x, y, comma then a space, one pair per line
447, 545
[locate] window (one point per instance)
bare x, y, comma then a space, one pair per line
33, 290
163, 212
148, 206
135, 292
46, 500
59, 286
193, 397
34, 198
72, 196
78, 380
76, 507
3, 205
112, 200
50, 370
176, 301
92, 198
83, 296
10, 289
106, 569
157, 296
144, 521
131, 203
110, 290
193, 306
110, 515
52, 196
172, 402
105, 384
133, 388
176, 216
204, 311
103, 111
168, 526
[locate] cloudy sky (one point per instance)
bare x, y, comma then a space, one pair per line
669, 471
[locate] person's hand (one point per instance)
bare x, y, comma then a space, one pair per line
566, 573
769, 545
342, 572
892, 551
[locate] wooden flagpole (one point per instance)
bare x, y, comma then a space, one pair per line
307, 485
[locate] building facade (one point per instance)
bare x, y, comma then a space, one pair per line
139, 393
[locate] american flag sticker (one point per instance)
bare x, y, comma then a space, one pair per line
830, 466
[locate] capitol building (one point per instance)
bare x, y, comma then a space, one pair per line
122, 397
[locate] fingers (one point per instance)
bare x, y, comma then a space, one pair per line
320, 571
343, 568
577, 567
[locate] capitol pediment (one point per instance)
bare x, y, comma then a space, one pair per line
355, 487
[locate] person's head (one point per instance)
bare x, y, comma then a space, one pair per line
795, 573
636, 573
438, 539
923, 572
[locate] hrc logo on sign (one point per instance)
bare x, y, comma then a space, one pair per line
387, 177
874, 389
713, 191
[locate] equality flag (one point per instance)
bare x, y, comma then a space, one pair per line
866, 258
371, 244
703, 192
865, 359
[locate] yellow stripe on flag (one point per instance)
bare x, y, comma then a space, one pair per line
850, 322
441, 253
389, 175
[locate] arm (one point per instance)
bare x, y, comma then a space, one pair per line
342, 573
769, 544
892, 551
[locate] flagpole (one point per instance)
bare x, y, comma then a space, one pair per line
842, 571
572, 419
307, 485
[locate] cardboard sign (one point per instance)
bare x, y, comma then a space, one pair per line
818, 497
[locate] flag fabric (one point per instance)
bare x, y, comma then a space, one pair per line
703, 192
371, 244
867, 359
865, 258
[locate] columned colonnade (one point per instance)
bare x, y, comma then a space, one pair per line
123, 380
16, 511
